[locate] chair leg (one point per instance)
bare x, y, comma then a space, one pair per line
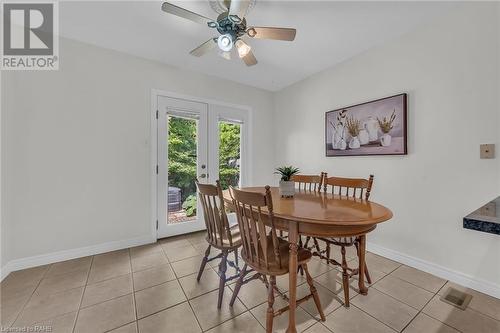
367, 274
270, 303
204, 262
308, 238
239, 283
316, 244
222, 278
314, 292
328, 249
236, 257
345, 278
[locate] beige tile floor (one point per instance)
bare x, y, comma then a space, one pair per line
153, 289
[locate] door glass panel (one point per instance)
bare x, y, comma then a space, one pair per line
182, 168
229, 154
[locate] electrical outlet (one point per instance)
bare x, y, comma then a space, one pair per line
487, 151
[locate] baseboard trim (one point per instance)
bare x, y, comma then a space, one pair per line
44, 259
465, 280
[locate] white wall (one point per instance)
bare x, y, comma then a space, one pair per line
76, 150
450, 70
3, 225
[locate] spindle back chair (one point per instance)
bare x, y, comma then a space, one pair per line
264, 251
219, 234
358, 188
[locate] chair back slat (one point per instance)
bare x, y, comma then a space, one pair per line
311, 183
252, 210
351, 187
214, 213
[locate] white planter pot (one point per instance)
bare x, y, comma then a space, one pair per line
354, 143
385, 140
287, 188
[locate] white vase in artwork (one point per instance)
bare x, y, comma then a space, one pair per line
363, 137
342, 144
371, 126
354, 143
287, 188
338, 135
385, 140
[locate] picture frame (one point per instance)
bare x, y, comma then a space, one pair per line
377, 127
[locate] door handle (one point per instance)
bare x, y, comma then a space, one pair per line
203, 175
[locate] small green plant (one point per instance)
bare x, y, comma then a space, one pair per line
387, 124
286, 172
189, 205
353, 125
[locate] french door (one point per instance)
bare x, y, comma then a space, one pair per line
195, 141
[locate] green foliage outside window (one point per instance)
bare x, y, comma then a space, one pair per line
182, 153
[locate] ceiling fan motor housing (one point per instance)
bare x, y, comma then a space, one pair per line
225, 25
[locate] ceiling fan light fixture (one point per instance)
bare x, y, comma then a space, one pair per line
225, 42
243, 48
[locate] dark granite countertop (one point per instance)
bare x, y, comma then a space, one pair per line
486, 218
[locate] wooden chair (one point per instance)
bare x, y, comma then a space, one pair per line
264, 252
355, 188
310, 183
219, 234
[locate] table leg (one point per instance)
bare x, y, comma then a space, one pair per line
362, 250
292, 239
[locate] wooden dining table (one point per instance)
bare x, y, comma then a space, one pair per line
321, 214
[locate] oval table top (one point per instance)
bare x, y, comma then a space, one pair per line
323, 208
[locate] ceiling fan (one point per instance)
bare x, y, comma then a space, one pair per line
232, 27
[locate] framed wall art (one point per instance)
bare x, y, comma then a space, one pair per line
377, 127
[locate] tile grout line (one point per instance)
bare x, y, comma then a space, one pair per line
180, 285
419, 312
413, 284
367, 313
83, 294
133, 292
394, 298
31, 296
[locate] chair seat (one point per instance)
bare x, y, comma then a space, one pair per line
303, 256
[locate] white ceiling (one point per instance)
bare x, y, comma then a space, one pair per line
328, 32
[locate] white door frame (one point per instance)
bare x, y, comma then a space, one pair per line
212, 115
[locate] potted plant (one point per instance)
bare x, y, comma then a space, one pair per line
287, 186
353, 127
386, 125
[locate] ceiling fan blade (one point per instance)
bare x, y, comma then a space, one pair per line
239, 8
272, 33
184, 13
204, 48
249, 59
